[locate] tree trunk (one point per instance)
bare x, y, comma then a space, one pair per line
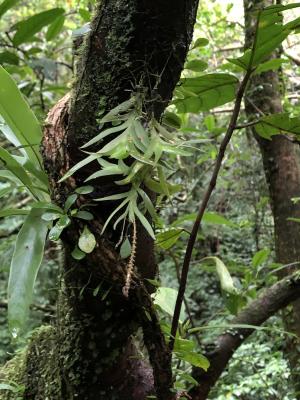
281, 159
89, 354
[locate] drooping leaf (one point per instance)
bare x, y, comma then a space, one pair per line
17, 169
225, 278
18, 116
205, 92
26, 260
87, 241
26, 29
125, 249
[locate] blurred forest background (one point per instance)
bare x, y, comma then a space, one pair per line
239, 226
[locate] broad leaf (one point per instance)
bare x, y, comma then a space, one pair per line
196, 65
277, 123
205, 92
28, 28
26, 260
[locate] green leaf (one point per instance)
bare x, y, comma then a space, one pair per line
87, 216
172, 120
209, 122
17, 169
77, 254
28, 28
7, 57
7, 5
115, 113
144, 222
57, 229
260, 257
50, 216
76, 167
125, 249
84, 189
205, 92
276, 124
195, 359
55, 28
165, 298
87, 241
270, 34
272, 65
7, 212
18, 116
196, 65
85, 14
26, 260
214, 218
168, 238
225, 278
200, 42
70, 201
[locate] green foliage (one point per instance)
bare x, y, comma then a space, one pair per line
205, 92
26, 29
26, 260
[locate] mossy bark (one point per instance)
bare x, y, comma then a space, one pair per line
133, 45
281, 159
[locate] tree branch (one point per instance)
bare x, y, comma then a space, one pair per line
256, 313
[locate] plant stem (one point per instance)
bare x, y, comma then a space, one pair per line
203, 205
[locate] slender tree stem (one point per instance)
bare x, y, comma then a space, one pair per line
203, 205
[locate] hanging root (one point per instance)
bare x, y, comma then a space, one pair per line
130, 265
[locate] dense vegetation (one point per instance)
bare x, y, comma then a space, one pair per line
129, 156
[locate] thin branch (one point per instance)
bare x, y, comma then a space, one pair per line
204, 203
255, 314
246, 125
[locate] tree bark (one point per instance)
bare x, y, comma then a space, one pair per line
281, 159
89, 354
